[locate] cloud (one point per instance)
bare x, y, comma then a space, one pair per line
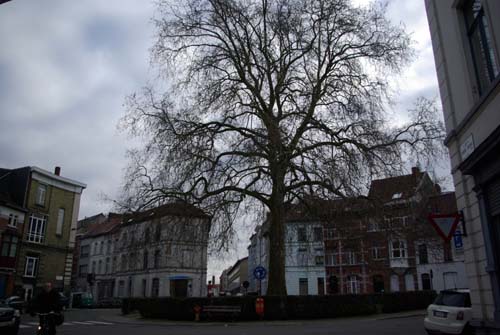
66, 67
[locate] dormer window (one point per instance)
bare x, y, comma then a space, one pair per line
397, 195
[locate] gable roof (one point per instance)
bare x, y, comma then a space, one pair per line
396, 188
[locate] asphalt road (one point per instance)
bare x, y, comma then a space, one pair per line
107, 322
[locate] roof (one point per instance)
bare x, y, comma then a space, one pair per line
14, 185
445, 203
238, 262
181, 209
58, 178
394, 188
97, 229
92, 219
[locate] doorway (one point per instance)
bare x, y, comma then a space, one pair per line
179, 288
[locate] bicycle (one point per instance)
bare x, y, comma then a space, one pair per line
45, 323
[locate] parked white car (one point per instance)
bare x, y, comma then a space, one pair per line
450, 313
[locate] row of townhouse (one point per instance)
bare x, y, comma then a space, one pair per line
380, 243
158, 252
38, 216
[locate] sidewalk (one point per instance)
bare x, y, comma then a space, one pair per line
136, 319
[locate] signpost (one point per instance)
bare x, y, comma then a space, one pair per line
445, 224
260, 273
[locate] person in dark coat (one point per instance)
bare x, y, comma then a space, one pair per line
48, 301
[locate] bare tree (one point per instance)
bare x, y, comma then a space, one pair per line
266, 102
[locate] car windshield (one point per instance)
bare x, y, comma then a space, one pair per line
454, 299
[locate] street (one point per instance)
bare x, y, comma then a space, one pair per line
110, 322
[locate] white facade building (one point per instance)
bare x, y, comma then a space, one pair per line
466, 42
157, 253
304, 258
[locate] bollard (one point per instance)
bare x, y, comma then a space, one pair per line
197, 310
259, 307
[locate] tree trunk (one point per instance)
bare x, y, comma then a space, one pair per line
276, 282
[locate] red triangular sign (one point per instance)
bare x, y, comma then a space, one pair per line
445, 224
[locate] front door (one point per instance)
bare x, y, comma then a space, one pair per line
179, 288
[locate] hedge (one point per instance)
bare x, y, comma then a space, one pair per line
280, 308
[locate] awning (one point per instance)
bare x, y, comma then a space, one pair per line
180, 277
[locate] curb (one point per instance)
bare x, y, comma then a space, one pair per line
135, 319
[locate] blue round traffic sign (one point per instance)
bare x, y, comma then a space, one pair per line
259, 272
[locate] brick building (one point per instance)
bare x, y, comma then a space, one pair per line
379, 243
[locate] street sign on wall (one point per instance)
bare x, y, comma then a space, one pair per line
445, 224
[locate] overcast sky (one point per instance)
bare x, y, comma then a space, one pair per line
66, 67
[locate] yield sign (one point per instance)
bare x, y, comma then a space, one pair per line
445, 224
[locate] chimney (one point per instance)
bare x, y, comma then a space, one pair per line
415, 170
57, 171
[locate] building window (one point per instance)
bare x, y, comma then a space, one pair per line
319, 260
398, 249
377, 253
108, 247
331, 259
156, 260
99, 271
158, 233
394, 283
13, 220
303, 286
334, 284
426, 281
60, 221
94, 266
144, 287
373, 225
318, 234
108, 261
101, 249
147, 235
121, 288
301, 235
84, 251
31, 266
448, 255
82, 271
145, 261
353, 284
423, 257
329, 234
113, 266
302, 257
124, 239
378, 284
132, 262
480, 41
41, 192
36, 230
155, 288
349, 257
9, 246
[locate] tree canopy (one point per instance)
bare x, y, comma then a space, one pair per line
270, 101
